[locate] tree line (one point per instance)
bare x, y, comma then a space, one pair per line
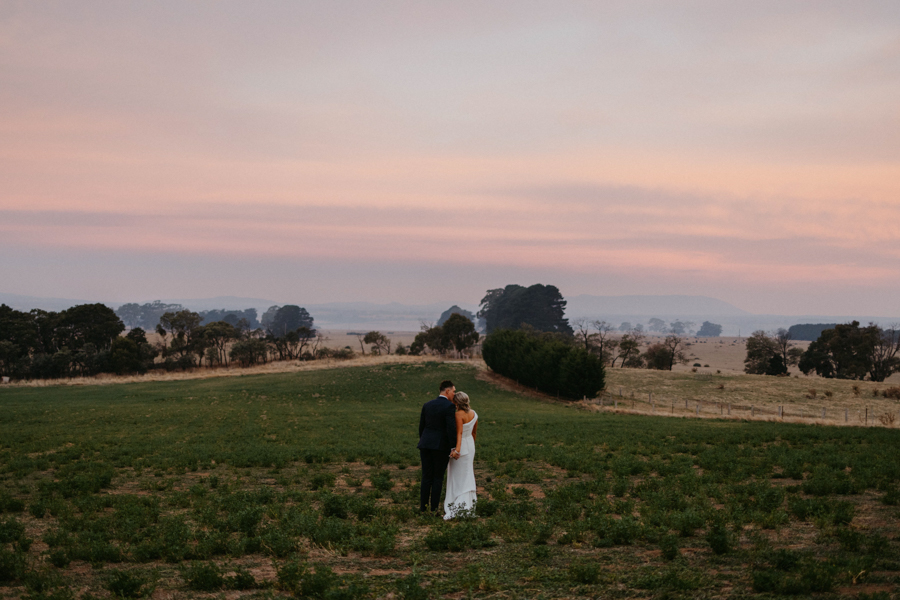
86, 339
841, 351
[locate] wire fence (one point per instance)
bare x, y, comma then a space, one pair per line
648, 403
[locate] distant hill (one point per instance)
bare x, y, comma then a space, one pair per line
26, 303
649, 306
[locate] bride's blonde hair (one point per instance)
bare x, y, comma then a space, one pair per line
461, 400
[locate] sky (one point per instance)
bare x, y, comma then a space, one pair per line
311, 152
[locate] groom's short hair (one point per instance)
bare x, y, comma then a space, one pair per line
446, 385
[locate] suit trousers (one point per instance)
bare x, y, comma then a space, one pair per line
434, 466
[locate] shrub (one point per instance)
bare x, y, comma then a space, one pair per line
892, 392
668, 545
203, 577
584, 571
381, 480
456, 537
545, 362
334, 505
241, 580
410, 588
719, 538
127, 584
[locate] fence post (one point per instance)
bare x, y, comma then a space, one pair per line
846, 417
685, 404
650, 397
867, 416
780, 412
729, 408
823, 412
698, 409
620, 392
617, 404
673, 408
751, 411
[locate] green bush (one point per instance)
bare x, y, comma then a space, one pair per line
719, 538
128, 584
241, 580
203, 577
585, 571
456, 537
545, 362
668, 545
410, 588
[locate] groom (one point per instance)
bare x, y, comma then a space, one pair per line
437, 437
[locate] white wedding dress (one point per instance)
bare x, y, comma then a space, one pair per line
461, 475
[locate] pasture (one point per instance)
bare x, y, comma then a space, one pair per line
306, 484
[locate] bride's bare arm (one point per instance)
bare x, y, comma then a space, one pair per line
475, 430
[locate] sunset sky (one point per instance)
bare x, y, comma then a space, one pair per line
416, 152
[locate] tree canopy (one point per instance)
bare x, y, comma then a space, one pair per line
708, 329
289, 317
849, 351
539, 306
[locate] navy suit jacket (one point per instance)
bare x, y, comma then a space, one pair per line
437, 425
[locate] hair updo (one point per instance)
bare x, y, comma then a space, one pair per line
461, 400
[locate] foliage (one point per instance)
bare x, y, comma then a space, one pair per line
43, 345
544, 362
289, 317
239, 319
455, 310
460, 331
457, 332
381, 344
540, 306
762, 355
145, 316
809, 332
849, 351
249, 352
662, 356
708, 329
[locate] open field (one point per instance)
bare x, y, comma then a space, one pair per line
305, 483
803, 399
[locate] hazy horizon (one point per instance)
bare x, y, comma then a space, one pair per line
407, 152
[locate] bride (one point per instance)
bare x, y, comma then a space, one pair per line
460, 496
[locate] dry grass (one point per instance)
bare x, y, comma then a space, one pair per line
291, 366
665, 393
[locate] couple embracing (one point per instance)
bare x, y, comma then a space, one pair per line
447, 429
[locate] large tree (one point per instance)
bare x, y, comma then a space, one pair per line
708, 329
288, 318
763, 356
460, 330
849, 351
540, 306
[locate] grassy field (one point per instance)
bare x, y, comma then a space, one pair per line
802, 399
306, 484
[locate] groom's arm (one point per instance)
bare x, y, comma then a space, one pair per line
421, 422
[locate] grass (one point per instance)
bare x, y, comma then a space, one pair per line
306, 484
668, 392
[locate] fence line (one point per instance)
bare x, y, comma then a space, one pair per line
864, 416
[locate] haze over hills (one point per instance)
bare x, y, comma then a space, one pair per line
652, 306
396, 316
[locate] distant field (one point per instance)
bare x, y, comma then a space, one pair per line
307, 483
801, 398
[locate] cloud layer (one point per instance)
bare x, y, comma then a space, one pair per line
747, 153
